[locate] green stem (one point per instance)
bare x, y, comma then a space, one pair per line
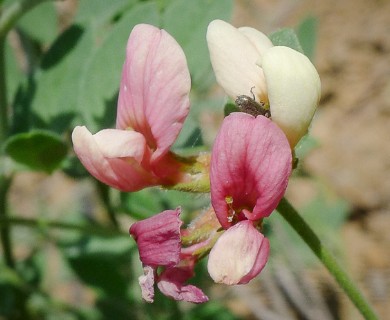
311, 239
3, 95
104, 192
4, 228
42, 223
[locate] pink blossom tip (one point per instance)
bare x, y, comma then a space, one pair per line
154, 90
239, 254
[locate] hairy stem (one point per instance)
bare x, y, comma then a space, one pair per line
104, 192
307, 234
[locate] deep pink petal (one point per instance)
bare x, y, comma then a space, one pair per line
113, 157
171, 284
155, 86
250, 168
158, 239
146, 282
238, 255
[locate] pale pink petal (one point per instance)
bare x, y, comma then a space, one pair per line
250, 168
154, 91
239, 254
146, 282
233, 57
171, 284
113, 157
120, 144
158, 239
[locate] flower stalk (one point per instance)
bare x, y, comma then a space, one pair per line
294, 219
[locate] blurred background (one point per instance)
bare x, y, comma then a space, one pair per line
72, 256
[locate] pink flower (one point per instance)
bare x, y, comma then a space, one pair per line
152, 106
250, 168
158, 240
239, 254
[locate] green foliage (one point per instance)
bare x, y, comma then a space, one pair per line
32, 25
286, 37
187, 21
38, 150
302, 40
325, 213
305, 146
307, 35
138, 204
229, 108
99, 81
100, 262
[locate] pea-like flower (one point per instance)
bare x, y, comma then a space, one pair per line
152, 106
281, 77
250, 166
159, 244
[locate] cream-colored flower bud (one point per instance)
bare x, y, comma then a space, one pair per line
294, 90
245, 62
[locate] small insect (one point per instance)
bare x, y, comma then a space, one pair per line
249, 105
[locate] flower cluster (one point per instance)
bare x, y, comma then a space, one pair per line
251, 159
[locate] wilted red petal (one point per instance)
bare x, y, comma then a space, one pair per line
155, 86
113, 157
171, 284
250, 167
158, 239
238, 255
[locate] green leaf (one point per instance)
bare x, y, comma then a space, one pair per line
307, 35
102, 262
286, 37
99, 83
32, 23
39, 150
187, 22
209, 311
148, 202
13, 71
51, 94
307, 144
325, 213
190, 136
98, 12
229, 108
63, 45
